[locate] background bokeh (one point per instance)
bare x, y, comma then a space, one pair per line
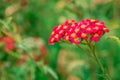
30, 22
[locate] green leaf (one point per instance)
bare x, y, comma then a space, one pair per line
47, 69
8, 20
20, 45
114, 38
5, 26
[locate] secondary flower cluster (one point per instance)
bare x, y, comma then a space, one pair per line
8, 43
75, 32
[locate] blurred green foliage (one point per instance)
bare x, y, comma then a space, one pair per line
36, 18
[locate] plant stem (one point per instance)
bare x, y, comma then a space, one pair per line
107, 76
97, 60
92, 49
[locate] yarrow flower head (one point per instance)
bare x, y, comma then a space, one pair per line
76, 32
86, 32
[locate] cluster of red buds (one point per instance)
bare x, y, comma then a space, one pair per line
8, 43
76, 32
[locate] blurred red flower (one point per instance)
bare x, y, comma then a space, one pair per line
9, 43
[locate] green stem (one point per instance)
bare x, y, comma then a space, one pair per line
107, 76
80, 47
87, 52
97, 60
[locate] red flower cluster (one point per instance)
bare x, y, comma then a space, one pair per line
75, 32
8, 42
